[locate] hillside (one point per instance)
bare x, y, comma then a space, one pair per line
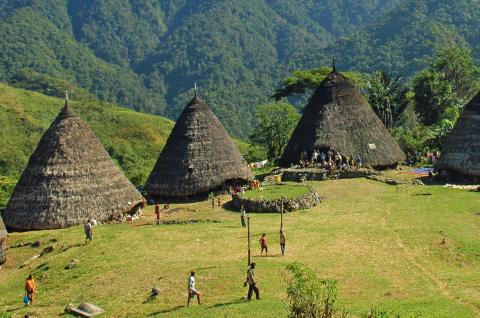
147, 54
383, 246
134, 140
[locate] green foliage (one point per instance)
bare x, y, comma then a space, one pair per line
309, 296
302, 83
388, 97
7, 184
379, 313
276, 122
432, 96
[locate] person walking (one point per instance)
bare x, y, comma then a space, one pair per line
243, 216
192, 291
30, 289
283, 238
263, 244
252, 283
157, 212
88, 231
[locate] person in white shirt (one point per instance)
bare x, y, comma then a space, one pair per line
192, 292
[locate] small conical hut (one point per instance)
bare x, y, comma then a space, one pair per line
3, 242
338, 117
199, 156
69, 178
461, 150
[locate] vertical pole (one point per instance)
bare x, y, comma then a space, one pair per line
281, 213
248, 233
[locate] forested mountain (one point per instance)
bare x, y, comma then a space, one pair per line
147, 54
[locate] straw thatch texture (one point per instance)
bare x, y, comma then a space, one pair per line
461, 151
338, 116
3, 242
69, 178
199, 156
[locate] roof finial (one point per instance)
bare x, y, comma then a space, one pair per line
195, 89
66, 98
333, 64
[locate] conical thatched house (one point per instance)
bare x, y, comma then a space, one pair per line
461, 151
338, 117
69, 178
3, 242
199, 156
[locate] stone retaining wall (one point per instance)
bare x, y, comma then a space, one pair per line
313, 174
305, 201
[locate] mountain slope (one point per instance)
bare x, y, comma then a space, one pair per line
147, 54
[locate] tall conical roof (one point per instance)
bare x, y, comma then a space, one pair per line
461, 150
199, 156
3, 242
338, 117
69, 178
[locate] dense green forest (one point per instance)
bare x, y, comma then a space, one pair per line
147, 54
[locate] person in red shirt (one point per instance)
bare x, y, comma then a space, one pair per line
157, 212
263, 244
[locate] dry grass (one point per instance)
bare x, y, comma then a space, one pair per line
383, 246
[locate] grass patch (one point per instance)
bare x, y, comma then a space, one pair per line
274, 192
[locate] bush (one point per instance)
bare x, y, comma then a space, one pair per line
309, 296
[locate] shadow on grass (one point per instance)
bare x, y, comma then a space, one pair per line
260, 256
15, 309
421, 194
233, 302
165, 311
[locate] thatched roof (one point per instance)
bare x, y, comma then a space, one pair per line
69, 178
199, 156
3, 240
338, 117
461, 150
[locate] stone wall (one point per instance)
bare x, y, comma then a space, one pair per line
305, 201
317, 174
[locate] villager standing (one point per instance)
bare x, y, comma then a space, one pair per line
88, 231
263, 244
359, 161
243, 216
157, 212
252, 283
283, 238
30, 289
192, 291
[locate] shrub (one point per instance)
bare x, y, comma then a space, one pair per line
309, 296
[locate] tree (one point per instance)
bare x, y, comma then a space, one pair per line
450, 81
276, 122
433, 95
387, 95
302, 83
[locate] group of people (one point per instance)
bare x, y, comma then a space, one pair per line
330, 160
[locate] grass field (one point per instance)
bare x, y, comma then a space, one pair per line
382, 243
273, 192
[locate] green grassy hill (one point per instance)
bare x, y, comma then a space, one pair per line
134, 140
382, 243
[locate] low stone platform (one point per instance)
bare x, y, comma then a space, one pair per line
318, 174
305, 201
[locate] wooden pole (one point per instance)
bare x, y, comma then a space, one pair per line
248, 234
281, 213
